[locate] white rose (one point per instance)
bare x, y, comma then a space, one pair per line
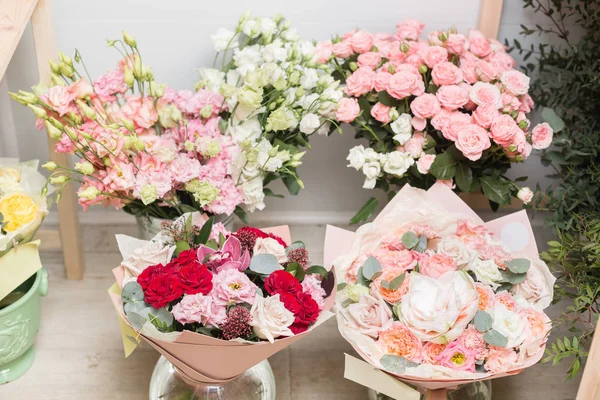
402, 126
525, 195
250, 129
222, 38
486, 272
369, 183
509, 324
438, 310
356, 157
372, 155
456, 249
211, 78
368, 316
371, 169
270, 246
140, 254
309, 123
537, 288
397, 163
270, 318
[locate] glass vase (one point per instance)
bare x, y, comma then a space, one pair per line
480, 390
148, 226
257, 383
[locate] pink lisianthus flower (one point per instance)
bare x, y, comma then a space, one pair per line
59, 98
184, 168
201, 309
231, 256
458, 357
231, 286
140, 110
228, 198
110, 84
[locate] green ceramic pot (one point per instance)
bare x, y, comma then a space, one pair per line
19, 324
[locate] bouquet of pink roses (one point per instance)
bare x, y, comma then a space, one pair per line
451, 108
437, 298
197, 285
142, 146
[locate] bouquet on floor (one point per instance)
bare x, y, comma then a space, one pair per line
142, 146
434, 296
450, 108
277, 96
23, 207
202, 295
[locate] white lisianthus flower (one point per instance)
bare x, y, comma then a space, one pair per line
274, 52
307, 49
308, 101
309, 78
250, 129
270, 318
509, 324
324, 129
251, 28
247, 59
357, 157
222, 38
211, 78
486, 272
291, 35
309, 123
254, 197
270, 246
397, 163
267, 26
456, 249
438, 310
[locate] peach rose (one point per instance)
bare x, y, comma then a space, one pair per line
456, 43
369, 60
515, 82
485, 71
538, 324
504, 130
424, 163
425, 106
389, 295
404, 84
452, 97
409, 29
348, 109
431, 352
486, 94
400, 341
446, 73
541, 136
381, 113
381, 80
487, 299
507, 300
360, 82
479, 44
484, 116
342, 49
457, 121
500, 360
434, 55
361, 42
472, 140
437, 265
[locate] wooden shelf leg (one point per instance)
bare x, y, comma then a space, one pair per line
490, 13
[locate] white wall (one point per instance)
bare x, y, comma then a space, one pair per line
174, 38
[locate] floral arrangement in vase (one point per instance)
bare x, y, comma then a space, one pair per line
430, 293
277, 96
198, 283
451, 108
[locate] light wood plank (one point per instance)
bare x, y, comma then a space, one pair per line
590, 381
490, 13
45, 49
14, 16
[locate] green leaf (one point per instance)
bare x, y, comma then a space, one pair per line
134, 307
444, 166
296, 270
132, 291
483, 321
296, 245
495, 338
396, 364
495, 189
180, 246
212, 243
241, 214
270, 193
387, 100
365, 106
464, 177
552, 118
410, 240
317, 270
204, 233
360, 278
292, 184
396, 282
422, 244
264, 264
341, 285
512, 278
365, 212
371, 269
518, 265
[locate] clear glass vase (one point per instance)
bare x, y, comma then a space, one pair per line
481, 390
257, 383
148, 227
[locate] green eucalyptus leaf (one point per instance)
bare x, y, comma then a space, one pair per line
360, 278
483, 321
512, 278
518, 265
397, 282
422, 244
132, 291
495, 338
317, 270
371, 269
341, 285
396, 364
410, 240
264, 264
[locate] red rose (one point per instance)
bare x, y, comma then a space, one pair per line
147, 275
187, 257
297, 328
290, 302
309, 309
195, 278
163, 289
282, 282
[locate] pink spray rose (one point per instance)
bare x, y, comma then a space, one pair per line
425, 106
456, 123
483, 93
452, 97
360, 82
541, 136
515, 82
504, 130
381, 80
434, 55
431, 352
361, 41
324, 51
472, 140
405, 83
485, 115
348, 109
342, 49
446, 73
370, 60
424, 163
409, 29
456, 43
381, 112
479, 44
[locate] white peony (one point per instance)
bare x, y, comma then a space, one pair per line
438, 310
270, 318
509, 324
309, 123
270, 246
455, 248
486, 272
397, 163
222, 38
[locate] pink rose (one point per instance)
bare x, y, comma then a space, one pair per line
503, 130
456, 122
425, 106
424, 163
487, 298
452, 97
59, 98
472, 140
360, 82
381, 113
436, 265
524, 148
485, 115
231, 286
409, 29
414, 145
199, 308
485, 71
442, 119
446, 73
449, 183
526, 103
456, 43
434, 55
483, 93
468, 69
361, 42
369, 316
515, 82
502, 61
434, 38
324, 50
348, 109
541, 136
342, 49
473, 340
500, 360
458, 357
479, 44
509, 102
369, 60
406, 82
381, 80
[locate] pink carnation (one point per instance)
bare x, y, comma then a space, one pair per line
312, 286
201, 309
472, 339
231, 286
500, 360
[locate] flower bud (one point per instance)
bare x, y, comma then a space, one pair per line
353, 65
422, 68
54, 67
443, 36
56, 80
106, 161
87, 110
299, 91
300, 183
84, 167
76, 118
129, 40
127, 123
111, 43
38, 111
189, 145
65, 59
206, 111
404, 47
391, 69
294, 78
67, 70
512, 148
298, 156
71, 133
394, 114
252, 156
523, 124
18, 98
246, 145
148, 75
56, 123
128, 76
295, 164
53, 132
89, 193
58, 180
50, 166
156, 89
272, 106
273, 151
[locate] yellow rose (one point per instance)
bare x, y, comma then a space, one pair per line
17, 210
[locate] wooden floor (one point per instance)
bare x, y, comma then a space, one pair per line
80, 356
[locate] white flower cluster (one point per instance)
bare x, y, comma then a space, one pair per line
374, 164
